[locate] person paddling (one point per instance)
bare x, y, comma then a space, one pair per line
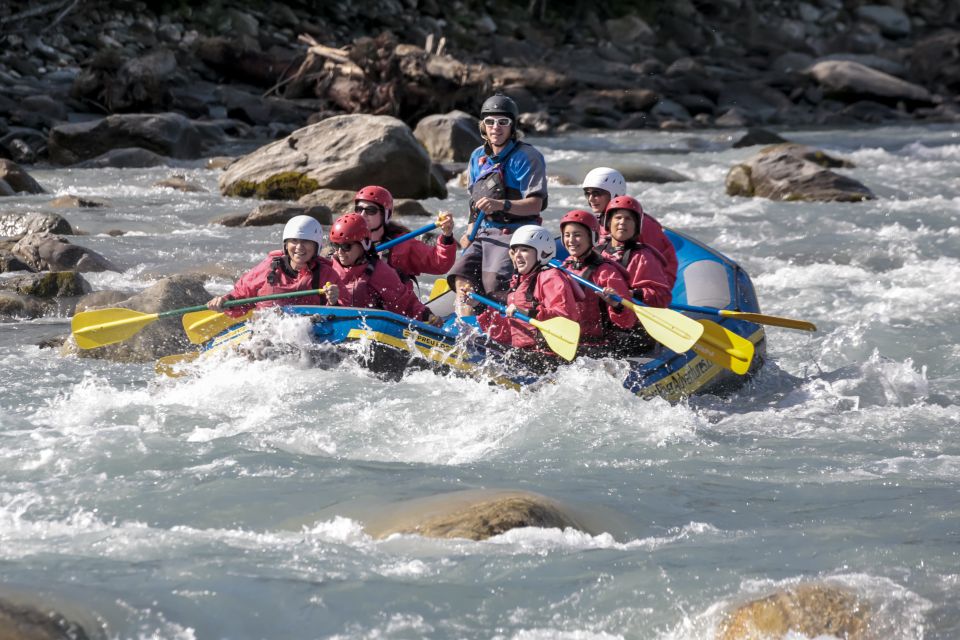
603, 184
601, 319
296, 267
645, 265
535, 290
369, 281
413, 257
508, 189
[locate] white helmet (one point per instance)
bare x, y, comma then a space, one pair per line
535, 237
304, 228
608, 179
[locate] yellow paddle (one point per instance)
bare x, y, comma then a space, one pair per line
203, 325
440, 287
758, 318
561, 334
679, 333
101, 327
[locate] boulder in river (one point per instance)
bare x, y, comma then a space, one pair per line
49, 252
475, 515
342, 152
811, 611
27, 622
17, 224
449, 137
169, 134
163, 337
13, 179
794, 172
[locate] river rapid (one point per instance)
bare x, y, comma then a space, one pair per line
230, 503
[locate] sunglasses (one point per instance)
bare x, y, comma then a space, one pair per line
346, 246
503, 122
367, 211
594, 193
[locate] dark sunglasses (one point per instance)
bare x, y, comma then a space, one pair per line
345, 246
503, 122
367, 211
594, 193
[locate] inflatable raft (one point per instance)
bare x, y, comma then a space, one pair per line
390, 344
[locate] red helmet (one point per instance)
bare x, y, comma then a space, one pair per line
350, 227
624, 202
584, 218
379, 195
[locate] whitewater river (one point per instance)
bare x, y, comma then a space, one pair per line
230, 504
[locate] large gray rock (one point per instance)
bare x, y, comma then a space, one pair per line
49, 284
851, 82
168, 134
13, 179
125, 158
449, 137
49, 252
17, 224
27, 622
642, 172
892, 22
793, 172
342, 152
161, 338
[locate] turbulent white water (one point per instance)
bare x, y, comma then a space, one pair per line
230, 504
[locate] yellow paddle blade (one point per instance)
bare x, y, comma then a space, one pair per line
440, 287
776, 321
101, 327
673, 330
203, 325
724, 347
170, 365
562, 335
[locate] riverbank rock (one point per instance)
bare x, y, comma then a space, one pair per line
13, 179
49, 252
40, 294
794, 172
811, 611
475, 515
449, 137
342, 152
168, 134
25, 622
160, 338
849, 81
17, 224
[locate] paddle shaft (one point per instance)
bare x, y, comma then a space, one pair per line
759, 318
501, 308
405, 237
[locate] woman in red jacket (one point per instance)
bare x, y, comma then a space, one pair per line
413, 257
535, 290
369, 281
600, 317
297, 267
648, 279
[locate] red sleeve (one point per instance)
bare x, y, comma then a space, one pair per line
648, 279
556, 295
495, 325
329, 275
397, 297
248, 286
415, 257
608, 275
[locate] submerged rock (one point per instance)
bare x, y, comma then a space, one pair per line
809, 610
475, 515
794, 172
25, 622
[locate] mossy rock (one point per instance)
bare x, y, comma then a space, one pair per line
289, 185
54, 284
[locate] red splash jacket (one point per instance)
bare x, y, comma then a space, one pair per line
541, 294
376, 285
597, 318
274, 275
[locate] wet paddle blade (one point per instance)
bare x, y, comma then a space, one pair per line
171, 365
562, 335
440, 287
775, 321
725, 348
203, 325
100, 327
673, 330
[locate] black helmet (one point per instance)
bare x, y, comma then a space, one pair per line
499, 104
